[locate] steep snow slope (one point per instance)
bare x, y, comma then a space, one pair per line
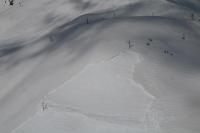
138, 89
88, 76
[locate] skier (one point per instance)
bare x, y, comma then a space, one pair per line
11, 2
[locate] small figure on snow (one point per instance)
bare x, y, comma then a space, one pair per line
11, 2
87, 21
192, 16
148, 44
51, 38
20, 4
44, 106
129, 44
183, 36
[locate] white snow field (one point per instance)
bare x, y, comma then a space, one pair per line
100, 66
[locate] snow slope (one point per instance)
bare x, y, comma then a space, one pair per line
64, 75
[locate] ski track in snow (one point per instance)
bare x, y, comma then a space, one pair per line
122, 120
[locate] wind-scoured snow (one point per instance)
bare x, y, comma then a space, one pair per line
82, 66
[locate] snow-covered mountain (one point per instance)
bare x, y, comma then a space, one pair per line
100, 66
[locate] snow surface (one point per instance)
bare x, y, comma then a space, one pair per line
134, 68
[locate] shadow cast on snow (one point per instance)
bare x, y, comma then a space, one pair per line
192, 5
61, 36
